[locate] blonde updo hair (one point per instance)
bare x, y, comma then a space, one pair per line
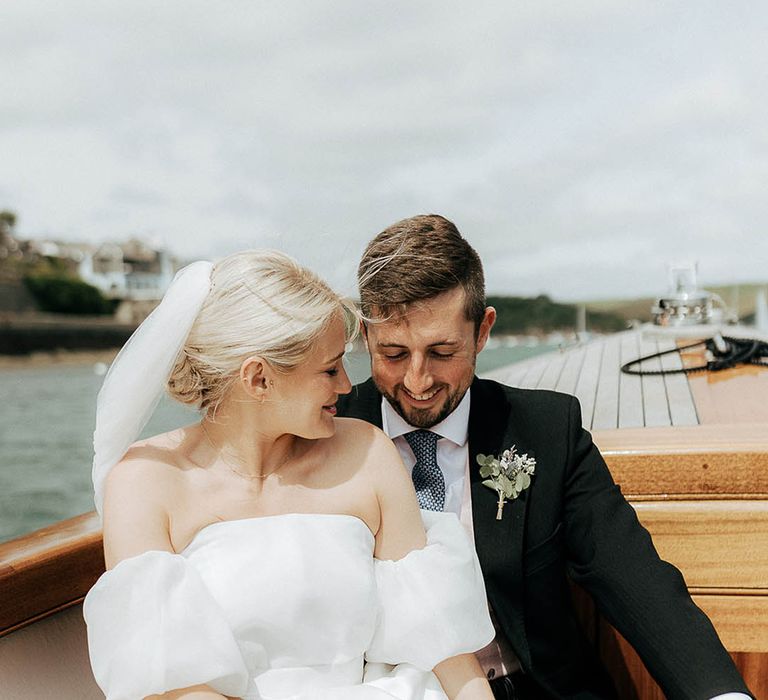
261, 302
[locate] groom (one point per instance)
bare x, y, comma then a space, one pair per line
423, 293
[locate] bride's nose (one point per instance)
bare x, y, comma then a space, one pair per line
343, 385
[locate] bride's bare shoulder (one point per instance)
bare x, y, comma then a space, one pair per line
151, 468
377, 460
354, 432
139, 496
163, 451
365, 443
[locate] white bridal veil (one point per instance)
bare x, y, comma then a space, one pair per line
137, 377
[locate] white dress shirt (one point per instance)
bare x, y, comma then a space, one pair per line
452, 452
453, 460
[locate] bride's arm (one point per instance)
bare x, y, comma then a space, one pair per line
135, 517
400, 526
462, 678
135, 521
401, 531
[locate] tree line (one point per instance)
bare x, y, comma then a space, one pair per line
532, 315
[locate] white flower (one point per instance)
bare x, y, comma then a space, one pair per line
508, 475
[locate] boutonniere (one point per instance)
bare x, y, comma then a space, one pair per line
508, 475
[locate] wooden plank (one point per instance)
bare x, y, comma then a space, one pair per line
48, 570
535, 371
511, 375
630, 386
716, 544
552, 373
606, 413
586, 387
574, 359
731, 395
740, 621
754, 670
633, 682
735, 437
681, 406
655, 402
699, 460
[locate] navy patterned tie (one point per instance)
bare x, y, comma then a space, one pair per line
427, 477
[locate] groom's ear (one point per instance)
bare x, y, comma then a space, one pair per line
255, 377
489, 318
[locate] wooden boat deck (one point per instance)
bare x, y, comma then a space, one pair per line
612, 400
690, 453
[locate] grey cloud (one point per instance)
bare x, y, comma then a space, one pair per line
560, 137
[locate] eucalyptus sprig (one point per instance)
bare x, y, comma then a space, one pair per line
509, 475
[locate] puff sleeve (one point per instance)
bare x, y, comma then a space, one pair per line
431, 603
154, 627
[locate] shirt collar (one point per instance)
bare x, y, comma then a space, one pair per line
453, 427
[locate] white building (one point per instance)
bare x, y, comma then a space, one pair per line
130, 271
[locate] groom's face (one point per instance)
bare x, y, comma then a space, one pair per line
424, 361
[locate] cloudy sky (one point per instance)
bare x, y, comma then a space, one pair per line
580, 146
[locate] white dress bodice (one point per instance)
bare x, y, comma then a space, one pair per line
288, 606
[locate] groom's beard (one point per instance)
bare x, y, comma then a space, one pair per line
424, 418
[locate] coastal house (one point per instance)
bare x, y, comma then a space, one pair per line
133, 273
129, 271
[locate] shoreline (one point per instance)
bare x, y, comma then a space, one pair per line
58, 357
63, 358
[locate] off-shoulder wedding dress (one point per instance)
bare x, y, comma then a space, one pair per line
289, 607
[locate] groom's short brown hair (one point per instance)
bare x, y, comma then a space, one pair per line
417, 259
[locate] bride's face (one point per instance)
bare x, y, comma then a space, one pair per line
305, 398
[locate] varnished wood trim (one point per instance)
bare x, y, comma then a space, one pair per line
48, 570
720, 544
651, 497
706, 461
706, 590
42, 616
685, 439
741, 622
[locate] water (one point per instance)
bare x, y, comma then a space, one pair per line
46, 425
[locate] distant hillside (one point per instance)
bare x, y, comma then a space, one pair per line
522, 315
741, 296
628, 309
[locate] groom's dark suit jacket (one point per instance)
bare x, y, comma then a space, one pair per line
573, 522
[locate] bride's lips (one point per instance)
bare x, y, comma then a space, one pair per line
330, 408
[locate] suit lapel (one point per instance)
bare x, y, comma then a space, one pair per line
499, 543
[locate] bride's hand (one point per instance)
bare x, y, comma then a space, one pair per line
197, 692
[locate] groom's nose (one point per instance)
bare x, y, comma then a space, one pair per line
417, 376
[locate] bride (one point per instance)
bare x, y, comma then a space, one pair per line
271, 551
